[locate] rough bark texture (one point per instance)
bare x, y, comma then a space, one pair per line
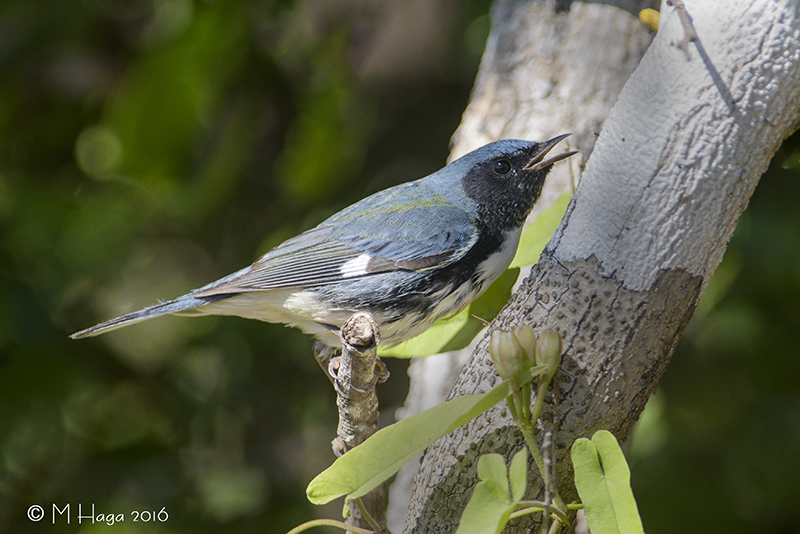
611, 335
674, 168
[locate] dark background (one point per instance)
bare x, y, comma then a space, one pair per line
147, 148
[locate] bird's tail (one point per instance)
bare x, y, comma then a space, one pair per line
179, 305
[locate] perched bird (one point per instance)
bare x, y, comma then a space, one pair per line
409, 255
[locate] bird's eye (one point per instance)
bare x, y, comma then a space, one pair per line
501, 166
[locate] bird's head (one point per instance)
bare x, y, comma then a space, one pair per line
502, 180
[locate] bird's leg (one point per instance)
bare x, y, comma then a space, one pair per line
325, 358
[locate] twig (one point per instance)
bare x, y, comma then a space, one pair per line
355, 374
362, 508
326, 523
690, 35
529, 507
547, 478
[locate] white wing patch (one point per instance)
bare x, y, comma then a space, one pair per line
355, 267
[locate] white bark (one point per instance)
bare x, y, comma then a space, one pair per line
533, 81
685, 136
674, 167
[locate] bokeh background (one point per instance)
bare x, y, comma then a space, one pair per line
150, 146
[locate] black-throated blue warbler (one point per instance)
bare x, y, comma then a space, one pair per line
409, 255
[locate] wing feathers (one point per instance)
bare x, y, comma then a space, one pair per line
290, 266
395, 240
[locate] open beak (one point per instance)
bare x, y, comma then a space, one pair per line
537, 162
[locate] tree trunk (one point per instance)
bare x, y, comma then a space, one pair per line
532, 84
672, 171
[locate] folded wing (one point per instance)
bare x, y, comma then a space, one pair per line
337, 250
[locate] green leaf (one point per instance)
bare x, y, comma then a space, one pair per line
433, 340
492, 467
603, 481
383, 454
491, 505
518, 474
487, 511
536, 235
457, 332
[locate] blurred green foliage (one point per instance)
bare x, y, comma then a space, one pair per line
150, 146
718, 446
146, 148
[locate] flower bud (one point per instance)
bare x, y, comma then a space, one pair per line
548, 352
506, 353
527, 340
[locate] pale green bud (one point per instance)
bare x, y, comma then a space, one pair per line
548, 352
506, 353
527, 340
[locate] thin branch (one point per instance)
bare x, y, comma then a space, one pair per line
362, 508
327, 523
355, 373
690, 35
529, 507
